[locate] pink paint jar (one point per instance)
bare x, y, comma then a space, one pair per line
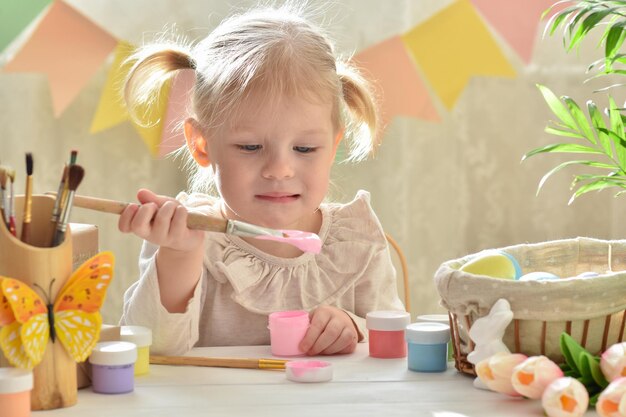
113, 367
386, 333
15, 387
287, 329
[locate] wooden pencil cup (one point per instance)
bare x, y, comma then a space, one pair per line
36, 263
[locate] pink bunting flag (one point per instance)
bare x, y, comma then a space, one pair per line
179, 101
66, 46
515, 20
396, 80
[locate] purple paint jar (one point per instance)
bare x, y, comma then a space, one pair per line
113, 367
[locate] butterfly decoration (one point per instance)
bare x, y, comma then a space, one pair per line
27, 323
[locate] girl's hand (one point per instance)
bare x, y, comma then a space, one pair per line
160, 220
332, 331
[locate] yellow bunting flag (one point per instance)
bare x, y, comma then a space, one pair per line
398, 85
68, 48
453, 46
112, 111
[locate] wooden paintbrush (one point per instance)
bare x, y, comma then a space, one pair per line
11, 208
305, 241
28, 199
75, 176
247, 363
56, 210
3, 195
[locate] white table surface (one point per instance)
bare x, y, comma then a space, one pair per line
361, 386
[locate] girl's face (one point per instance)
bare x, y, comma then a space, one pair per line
272, 165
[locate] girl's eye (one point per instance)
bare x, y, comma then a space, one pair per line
249, 148
303, 149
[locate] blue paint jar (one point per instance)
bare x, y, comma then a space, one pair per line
427, 344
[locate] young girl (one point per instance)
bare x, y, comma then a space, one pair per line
271, 103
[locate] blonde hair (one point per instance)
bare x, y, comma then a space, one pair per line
271, 50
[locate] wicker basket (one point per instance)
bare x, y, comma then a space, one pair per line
591, 310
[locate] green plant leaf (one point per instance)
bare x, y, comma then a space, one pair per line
571, 351
557, 107
598, 123
568, 163
562, 148
580, 119
563, 132
575, 37
593, 399
614, 40
617, 126
593, 364
598, 185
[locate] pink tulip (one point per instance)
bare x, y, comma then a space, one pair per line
613, 362
531, 377
612, 401
565, 397
495, 372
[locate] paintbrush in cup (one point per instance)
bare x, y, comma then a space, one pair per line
75, 176
28, 199
3, 195
56, 210
305, 241
247, 363
11, 208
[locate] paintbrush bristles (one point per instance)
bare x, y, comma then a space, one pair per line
73, 156
76, 174
29, 163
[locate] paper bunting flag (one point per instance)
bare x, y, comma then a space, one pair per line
179, 101
453, 46
400, 89
67, 47
515, 20
112, 111
15, 16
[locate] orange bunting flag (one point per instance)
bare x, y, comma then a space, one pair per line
68, 48
111, 110
516, 21
179, 102
453, 46
396, 80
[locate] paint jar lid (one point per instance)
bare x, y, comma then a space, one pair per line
139, 335
427, 333
389, 320
309, 371
439, 318
113, 353
14, 380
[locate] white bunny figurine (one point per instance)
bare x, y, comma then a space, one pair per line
487, 333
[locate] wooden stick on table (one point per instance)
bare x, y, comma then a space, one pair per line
247, 363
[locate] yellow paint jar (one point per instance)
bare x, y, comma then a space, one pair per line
142, 337
15, 387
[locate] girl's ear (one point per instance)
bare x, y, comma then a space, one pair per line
196, 142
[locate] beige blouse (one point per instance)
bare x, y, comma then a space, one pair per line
241, 285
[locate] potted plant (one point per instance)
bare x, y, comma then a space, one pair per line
599, 136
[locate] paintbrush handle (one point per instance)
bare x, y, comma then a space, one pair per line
195, 221
219, 362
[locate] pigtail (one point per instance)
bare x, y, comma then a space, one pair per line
151, 67
362, 116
